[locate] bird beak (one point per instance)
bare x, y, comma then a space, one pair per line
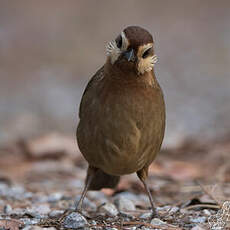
130, 55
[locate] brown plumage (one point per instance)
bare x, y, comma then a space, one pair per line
122, 113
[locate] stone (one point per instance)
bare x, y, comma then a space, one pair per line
200, 219
97, 196
146, 215
56, 213
145, 228
29, 221
52, 198
30, 227
19, 212
109, 209
39, 210
207, 212
166, 208
37, 228
108, 228
51, 228
93, 222
128, 195
157, 221
197, 227
75, 221
7, 209
124, 204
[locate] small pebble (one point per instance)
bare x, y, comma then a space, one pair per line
207, 212
51, 228
32, 228
37, 228
97, 196
38, 210
109, 209
7, 209
145, 228
40, 199
93, 222
54, 197
108, 228
124, 204
157, 221
166, 208
75, 221
200, 219
29, 221
56, 213
146, 215
19, 212
128, 195
197, 228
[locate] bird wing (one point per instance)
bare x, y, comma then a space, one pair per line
96, 78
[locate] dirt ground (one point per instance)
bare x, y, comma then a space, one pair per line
190, 184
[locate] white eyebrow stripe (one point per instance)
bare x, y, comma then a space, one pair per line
143, 48
125, 42
146, 47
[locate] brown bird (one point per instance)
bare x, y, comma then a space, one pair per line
122, 114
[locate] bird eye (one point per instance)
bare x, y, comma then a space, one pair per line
146, 53
119, 41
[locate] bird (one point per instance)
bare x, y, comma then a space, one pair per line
122, 114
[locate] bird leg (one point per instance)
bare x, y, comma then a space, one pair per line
90, 175
143, 174
150, 199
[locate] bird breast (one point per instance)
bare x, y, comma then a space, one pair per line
122, 128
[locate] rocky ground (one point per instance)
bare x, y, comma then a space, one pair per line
42, 178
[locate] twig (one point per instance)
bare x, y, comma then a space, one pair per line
208, 193
202, 206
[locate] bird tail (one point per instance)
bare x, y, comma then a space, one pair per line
103, 180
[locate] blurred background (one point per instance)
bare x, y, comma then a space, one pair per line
50, 49
48, 52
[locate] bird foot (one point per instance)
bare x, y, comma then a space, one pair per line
155, 215
65, 214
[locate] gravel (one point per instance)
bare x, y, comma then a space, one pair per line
54, 197
200, 219
109, 209
157, 221
7, 209
38, 211
146, 215
124, 204
56, 213
75, 221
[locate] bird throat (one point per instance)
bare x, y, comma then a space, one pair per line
114, 73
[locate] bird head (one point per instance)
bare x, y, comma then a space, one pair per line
132, 51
